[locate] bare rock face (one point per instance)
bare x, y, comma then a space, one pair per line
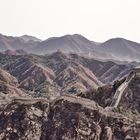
67, 117
69, 120
20, 121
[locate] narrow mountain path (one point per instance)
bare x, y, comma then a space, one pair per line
72, 98
119, 92
28, 101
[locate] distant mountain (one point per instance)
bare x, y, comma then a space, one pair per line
68, 43
121, 49
28, 38
15, 43
114, 49
117, 49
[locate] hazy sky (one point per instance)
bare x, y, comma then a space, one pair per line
97, 20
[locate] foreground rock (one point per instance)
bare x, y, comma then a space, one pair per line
67, 118
22, 121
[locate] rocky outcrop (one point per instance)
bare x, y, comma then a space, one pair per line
73, 120
67, 117
20, 121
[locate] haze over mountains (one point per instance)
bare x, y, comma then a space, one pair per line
114, 49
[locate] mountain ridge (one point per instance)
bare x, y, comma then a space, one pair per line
61, 73
115, 49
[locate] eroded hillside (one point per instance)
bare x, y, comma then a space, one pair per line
59, 73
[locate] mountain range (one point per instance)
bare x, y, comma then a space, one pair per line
59, 73
64, 87
117, 49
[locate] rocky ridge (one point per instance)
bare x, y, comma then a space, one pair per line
67, 117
